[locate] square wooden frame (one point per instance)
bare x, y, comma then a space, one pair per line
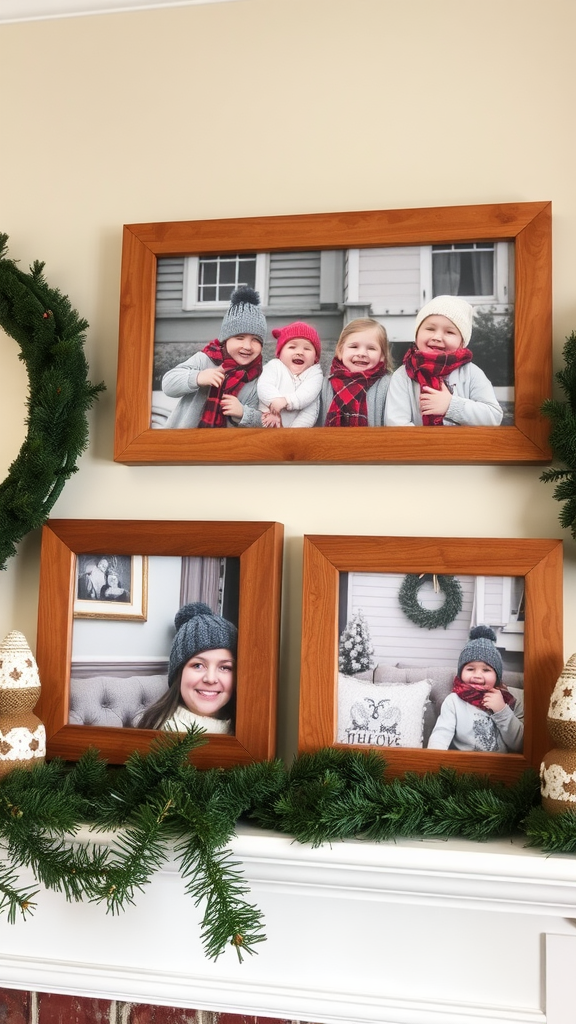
528, 225
259, 547
538, 561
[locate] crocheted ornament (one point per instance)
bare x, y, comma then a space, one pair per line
22, 735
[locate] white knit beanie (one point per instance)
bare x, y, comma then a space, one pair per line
457, 310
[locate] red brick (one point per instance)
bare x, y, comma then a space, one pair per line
140, 1013
14, 1006
59, 1009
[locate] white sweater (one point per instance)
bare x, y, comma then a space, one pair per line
183, 718
301, 390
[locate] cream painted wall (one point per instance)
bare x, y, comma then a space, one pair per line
279, 107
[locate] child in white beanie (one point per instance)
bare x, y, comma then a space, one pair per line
480, 714
438, 385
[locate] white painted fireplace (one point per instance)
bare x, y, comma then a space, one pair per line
404, 933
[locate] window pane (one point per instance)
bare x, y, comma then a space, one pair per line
208, 271
228, 272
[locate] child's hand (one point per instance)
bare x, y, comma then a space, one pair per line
277, 404
493, 700
211, 378
434, 403
271, 419
232, 407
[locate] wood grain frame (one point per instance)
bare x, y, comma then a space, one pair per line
528, 225
538, 561
259, 547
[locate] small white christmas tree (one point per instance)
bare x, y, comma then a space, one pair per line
355, 652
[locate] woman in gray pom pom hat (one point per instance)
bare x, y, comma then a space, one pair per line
217, 386
201, 674
480, 713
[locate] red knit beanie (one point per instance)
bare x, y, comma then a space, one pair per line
297, 330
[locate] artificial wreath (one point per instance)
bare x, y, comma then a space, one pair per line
160, 803
427, 618
50, 334
563, 437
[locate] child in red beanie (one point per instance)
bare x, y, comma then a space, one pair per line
289, 385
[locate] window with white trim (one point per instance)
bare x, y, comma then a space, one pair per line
210, 280
477, 271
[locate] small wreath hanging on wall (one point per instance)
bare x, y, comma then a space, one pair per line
50, 334
428, 618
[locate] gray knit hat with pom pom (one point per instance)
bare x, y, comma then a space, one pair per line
244, 315
481, 647
199, 629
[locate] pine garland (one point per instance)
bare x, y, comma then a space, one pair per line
50, 334
160, 804
427, 618
563, 438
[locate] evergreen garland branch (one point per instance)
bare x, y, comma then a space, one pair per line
13, 899
562, 415
161, 802
51, 337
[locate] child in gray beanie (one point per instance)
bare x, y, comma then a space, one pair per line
480, 713
438, 384
217, 386
201, 674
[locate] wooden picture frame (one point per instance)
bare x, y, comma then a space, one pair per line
259, 548
527, 225
538, 561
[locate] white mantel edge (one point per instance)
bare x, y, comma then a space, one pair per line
12, 11
493, 882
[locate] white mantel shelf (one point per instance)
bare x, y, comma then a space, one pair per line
402, 933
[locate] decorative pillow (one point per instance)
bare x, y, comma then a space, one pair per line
381, 716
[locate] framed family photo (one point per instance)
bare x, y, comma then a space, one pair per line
113, 682
111, 587
394, 631
331, 271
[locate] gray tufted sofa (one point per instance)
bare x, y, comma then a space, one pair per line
112, 700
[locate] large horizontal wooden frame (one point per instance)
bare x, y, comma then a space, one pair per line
527, 225
259, 548
538, 561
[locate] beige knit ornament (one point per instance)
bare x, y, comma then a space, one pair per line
22, 735
558, 769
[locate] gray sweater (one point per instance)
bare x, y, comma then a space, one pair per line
463, 726
182, 382
473, 402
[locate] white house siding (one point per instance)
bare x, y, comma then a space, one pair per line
396, 639
169, 285
294, 282
389, 279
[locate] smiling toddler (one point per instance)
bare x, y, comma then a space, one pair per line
480, 714
217, 386
355, 392
438, 385
289, 385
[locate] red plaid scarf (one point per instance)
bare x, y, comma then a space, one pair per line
349, 407
235, 379
429, 370
474, 696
